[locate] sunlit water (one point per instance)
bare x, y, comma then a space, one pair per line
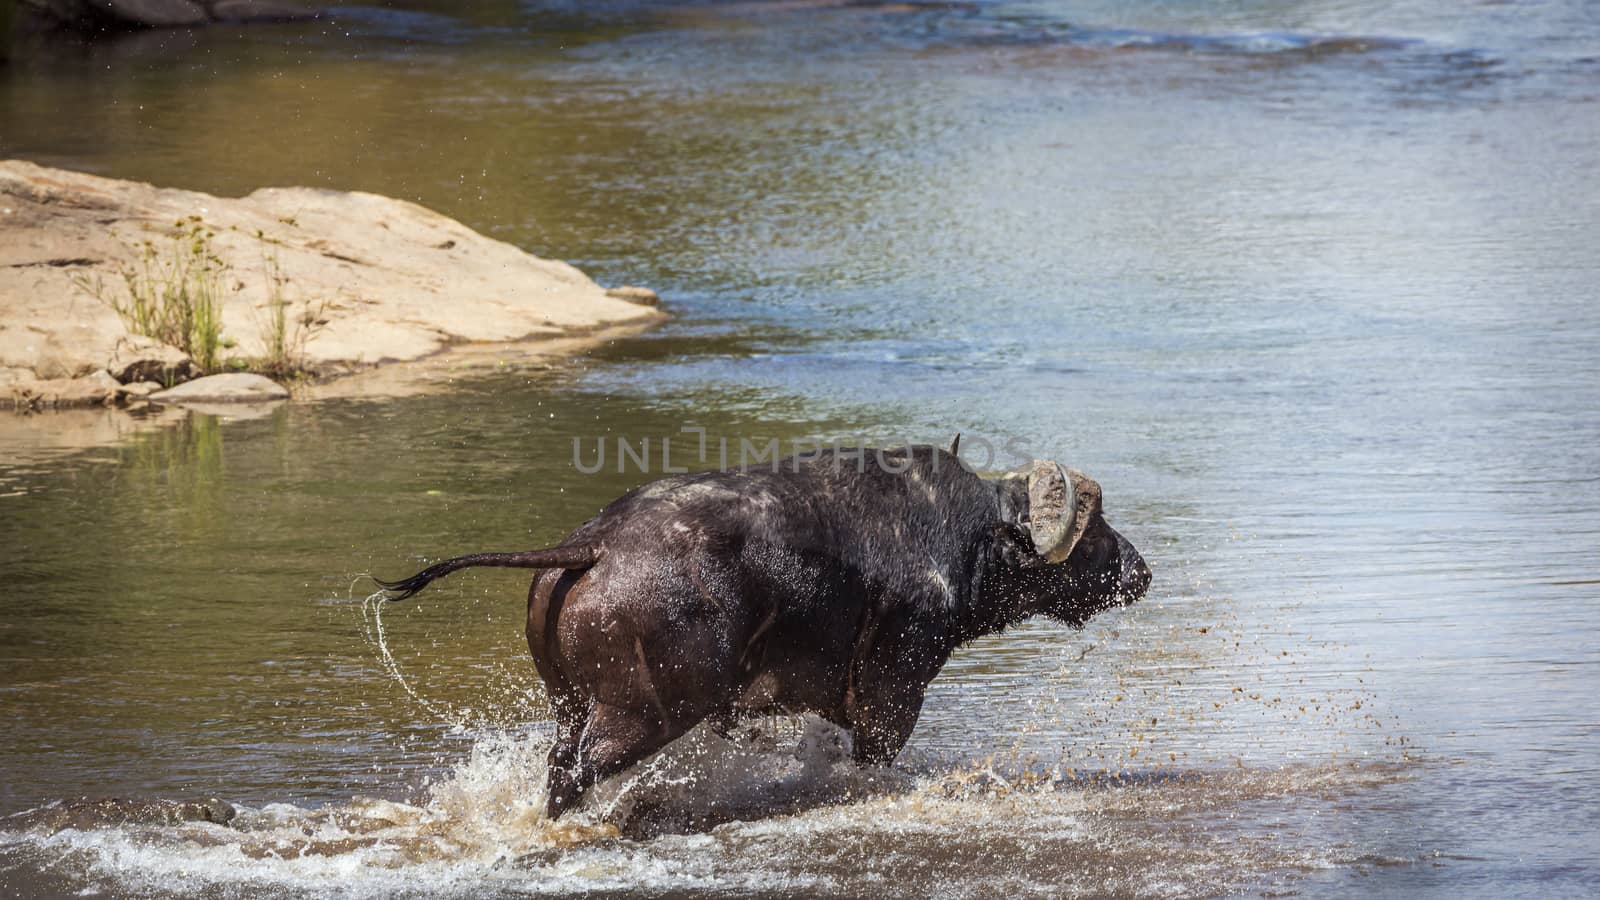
1309, 288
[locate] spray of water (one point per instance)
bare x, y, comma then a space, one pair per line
781, 807
764, 812
372, 627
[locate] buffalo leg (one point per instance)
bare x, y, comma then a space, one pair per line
561, 764
882, 724
722, 722
612, 740
889, 680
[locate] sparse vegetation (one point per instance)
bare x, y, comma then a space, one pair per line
284, 335
172, 292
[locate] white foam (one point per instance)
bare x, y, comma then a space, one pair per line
796, 816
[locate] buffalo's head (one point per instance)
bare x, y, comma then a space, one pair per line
1067, 562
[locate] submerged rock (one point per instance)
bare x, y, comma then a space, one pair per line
105, 812
99, 15
635, 294
233, 387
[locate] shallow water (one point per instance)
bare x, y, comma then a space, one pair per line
1307, 287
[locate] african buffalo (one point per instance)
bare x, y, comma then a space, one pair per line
836, 582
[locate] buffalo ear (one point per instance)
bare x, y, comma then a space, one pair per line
955, 445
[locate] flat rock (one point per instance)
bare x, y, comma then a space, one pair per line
232, 387
94, 389
389, 280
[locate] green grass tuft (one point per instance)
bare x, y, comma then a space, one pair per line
172, 292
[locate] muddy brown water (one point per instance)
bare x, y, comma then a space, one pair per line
1309, 288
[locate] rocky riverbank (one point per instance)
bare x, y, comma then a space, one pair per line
303, 283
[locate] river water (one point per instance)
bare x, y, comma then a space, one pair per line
1308, 287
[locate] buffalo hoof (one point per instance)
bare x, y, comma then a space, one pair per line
565, 792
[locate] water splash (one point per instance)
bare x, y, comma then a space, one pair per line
372, 629
780, 809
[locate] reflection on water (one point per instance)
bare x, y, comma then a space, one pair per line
1306, 287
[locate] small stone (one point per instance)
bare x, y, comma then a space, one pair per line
634, 294
233, 387
138, 390
139, 358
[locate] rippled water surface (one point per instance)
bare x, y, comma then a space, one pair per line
1309, 288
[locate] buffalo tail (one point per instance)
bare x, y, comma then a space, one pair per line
580, 556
